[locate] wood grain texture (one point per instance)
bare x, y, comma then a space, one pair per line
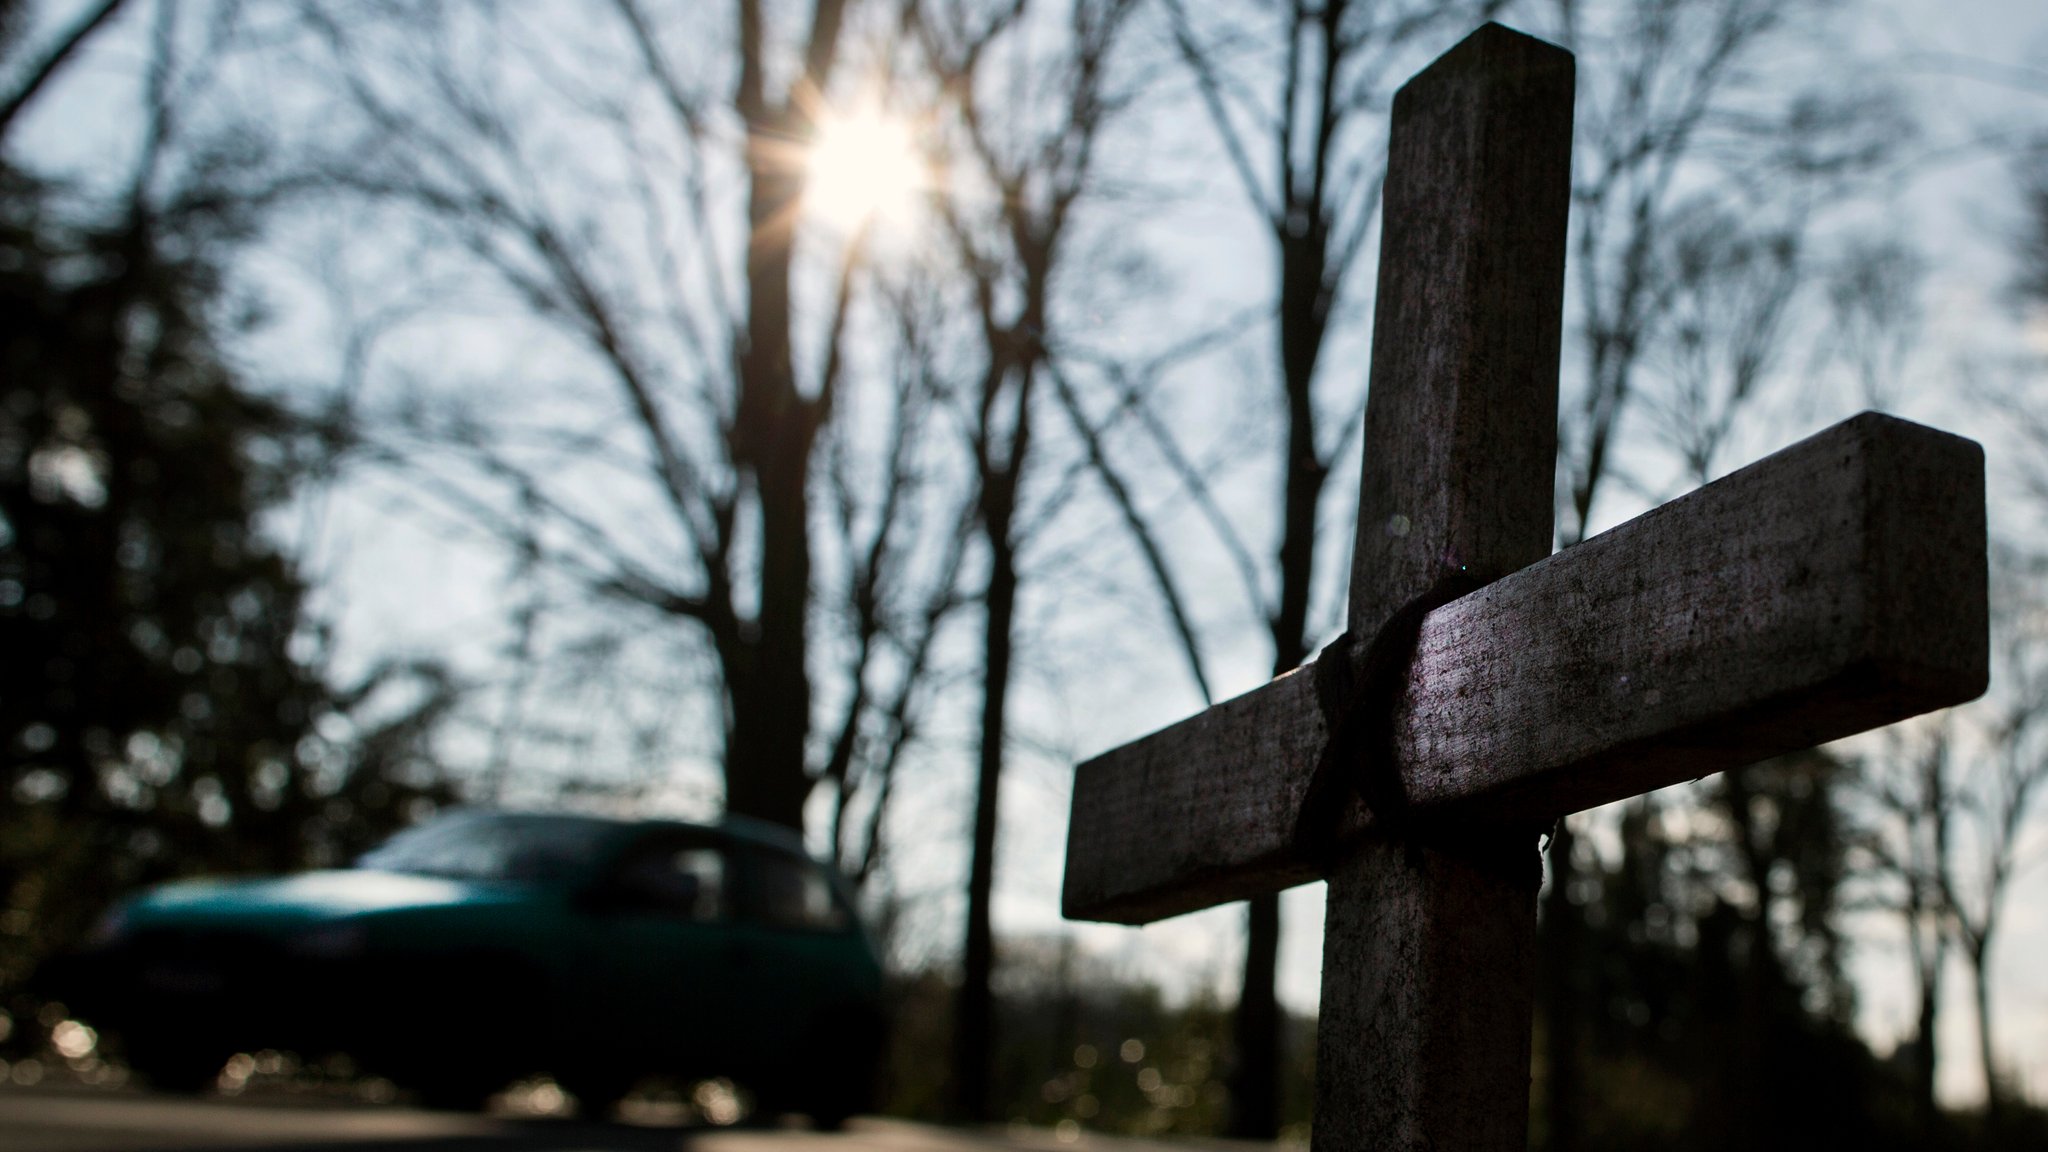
1835, 586
1428, 980
1461, 420
1427, 973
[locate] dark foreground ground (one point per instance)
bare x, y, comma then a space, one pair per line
65, 1118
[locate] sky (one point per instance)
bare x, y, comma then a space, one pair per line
396, 581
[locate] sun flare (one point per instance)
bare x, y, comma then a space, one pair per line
863, 166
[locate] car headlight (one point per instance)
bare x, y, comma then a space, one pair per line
330, 941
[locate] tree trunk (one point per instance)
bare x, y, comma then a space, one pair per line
1256, 1026
1564, 1090
774, 429
1748, 1063
1980, 971
1925, 1111
1000, 475
974, 1023
1255, 1030
1303, 316
766, 774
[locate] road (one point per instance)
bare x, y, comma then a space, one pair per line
64, 1118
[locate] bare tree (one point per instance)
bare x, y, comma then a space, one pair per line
1994, 802
1952, 804
1950, 800
895, 612
1730, 296
1698, 179
1682, 128
632, 181
2021, 405
1908, 783
1874, 313
2031, 277
1022, 127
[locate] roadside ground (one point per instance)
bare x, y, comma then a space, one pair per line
80, 1118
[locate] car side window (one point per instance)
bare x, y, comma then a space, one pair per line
684, 881
791, 892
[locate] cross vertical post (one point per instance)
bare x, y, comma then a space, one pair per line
1429, 945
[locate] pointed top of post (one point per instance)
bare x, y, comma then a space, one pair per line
1461, 420
1492, 50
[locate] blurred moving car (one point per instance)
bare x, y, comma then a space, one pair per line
483, 946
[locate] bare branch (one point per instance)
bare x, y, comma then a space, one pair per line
53, 60
1210, 84
1141, 532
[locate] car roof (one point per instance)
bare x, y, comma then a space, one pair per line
742, 828
760, 832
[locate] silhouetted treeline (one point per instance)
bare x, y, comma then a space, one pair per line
1085, 1046
1706, 985
164, 709
1711, 1003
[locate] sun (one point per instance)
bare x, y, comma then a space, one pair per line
863, 165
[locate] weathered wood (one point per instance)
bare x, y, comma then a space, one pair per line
1846, 580
1428, 983
1426, 976
1832, 587
1461, 421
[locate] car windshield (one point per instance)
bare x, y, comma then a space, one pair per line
517, 849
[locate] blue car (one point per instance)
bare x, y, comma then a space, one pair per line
483, 946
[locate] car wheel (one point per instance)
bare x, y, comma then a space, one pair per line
832, 1113
845, 1079
456, 1091
454, 1035
598, 1091
177, 1065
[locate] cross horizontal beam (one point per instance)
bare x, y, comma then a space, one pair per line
1835, 586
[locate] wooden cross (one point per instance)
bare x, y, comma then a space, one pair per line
1833, 587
